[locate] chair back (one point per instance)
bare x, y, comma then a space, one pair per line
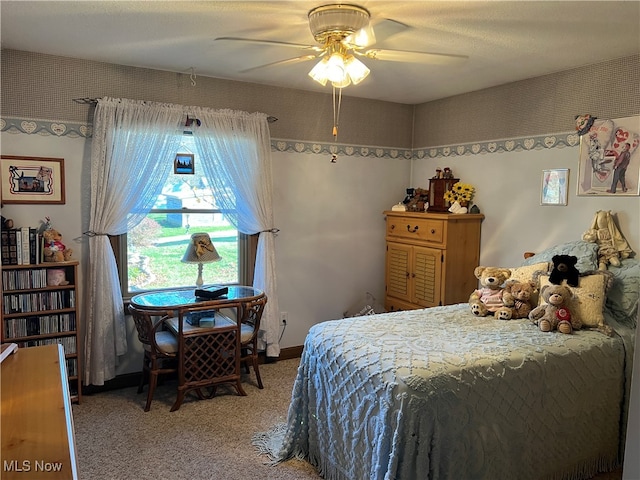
252, 313
147, 327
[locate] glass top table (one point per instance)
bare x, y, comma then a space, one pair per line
185, 298
207, 356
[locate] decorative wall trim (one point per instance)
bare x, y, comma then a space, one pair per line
539, 142
32, 126
340, 149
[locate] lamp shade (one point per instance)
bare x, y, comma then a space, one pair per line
200, 250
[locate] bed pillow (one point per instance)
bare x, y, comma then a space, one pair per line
525, 273
585, 252
589, 296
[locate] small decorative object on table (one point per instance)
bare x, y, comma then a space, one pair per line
211, 291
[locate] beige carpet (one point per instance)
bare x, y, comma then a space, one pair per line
205, 439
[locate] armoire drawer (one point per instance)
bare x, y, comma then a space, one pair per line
423, 229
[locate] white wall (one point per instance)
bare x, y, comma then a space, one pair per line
330, 250
508, 193
67, 218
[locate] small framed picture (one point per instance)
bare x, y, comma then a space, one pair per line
32, 180
555, 187
184, 164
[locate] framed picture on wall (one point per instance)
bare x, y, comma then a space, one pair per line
32, 180
184, 164
555, 187
609, 161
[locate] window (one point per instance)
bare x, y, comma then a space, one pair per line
149, 256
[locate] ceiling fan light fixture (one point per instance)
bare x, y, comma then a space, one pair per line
356, 70
342, 83
319, 72
337, 19
336, 71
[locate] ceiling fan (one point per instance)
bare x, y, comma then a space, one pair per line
344, 32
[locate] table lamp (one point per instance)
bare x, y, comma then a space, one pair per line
200, 250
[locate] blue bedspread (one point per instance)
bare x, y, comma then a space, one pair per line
441, 394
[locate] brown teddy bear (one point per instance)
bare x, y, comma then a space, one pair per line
54, 249
555, 314
487, 300
518, 296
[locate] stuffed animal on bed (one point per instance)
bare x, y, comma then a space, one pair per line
518, 295
612, 246
564, 268
555, 313
487, 300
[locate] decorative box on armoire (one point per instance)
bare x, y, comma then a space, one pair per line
437, 187
430, 258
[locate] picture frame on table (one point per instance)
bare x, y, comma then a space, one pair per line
555, 187
609, 162
32, 180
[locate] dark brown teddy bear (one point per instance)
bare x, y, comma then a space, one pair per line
564, 268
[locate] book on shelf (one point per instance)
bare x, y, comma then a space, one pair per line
21, 246
26, 250
4, 241
13, 247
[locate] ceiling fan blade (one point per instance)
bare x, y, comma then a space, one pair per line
365, 37
387, 28
253, 41
408, 56
303, 58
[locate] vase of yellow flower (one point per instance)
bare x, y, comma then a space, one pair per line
461, 193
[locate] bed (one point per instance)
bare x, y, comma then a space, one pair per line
441, 394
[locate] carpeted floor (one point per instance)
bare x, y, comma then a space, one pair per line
204, 440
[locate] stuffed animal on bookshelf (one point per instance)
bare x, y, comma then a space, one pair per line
7, 223
54, 249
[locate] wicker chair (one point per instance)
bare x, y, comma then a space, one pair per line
251, 315
160, 349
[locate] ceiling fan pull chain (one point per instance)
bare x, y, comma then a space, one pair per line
336, 119
336, 112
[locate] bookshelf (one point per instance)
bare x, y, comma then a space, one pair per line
40, 307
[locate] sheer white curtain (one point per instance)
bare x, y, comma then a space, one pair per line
236, 155
132, 149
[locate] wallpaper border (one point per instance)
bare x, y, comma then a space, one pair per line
32, 126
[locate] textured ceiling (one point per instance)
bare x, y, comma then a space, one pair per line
505, 41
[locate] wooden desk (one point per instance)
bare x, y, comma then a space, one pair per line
207, 356
38, 440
